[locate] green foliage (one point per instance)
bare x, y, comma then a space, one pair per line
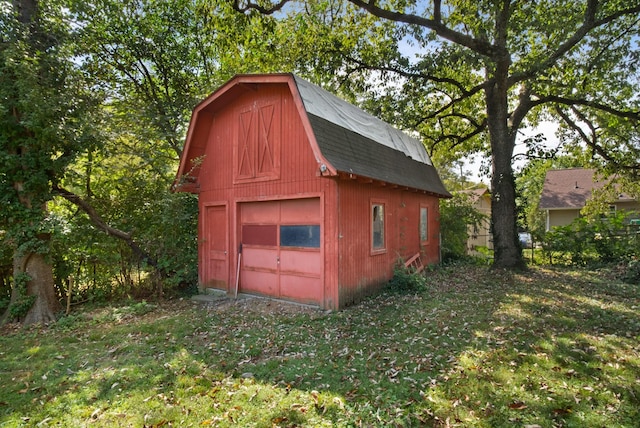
171, 235
6, 273
405, 280
457, 215
44, 119
632, 272
603, 239
23, 302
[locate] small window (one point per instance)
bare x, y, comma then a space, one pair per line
307, 236
423, 224
377, 223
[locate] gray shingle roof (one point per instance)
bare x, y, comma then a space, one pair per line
324, 104
354, 153
356, 142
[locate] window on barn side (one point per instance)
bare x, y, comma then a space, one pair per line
377, 227
423, 224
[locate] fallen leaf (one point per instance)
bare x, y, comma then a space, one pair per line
517, 405
563, 411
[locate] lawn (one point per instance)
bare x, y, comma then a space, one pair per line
482, 348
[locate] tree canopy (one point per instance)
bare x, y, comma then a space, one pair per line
96, 100
481, 71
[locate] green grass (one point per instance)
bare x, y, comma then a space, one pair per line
480, 348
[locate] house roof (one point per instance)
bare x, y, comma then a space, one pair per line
570, 188
476, 194
343, 137
567, 188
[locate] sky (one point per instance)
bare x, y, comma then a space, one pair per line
473, 164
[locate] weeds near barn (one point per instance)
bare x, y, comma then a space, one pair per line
478, 348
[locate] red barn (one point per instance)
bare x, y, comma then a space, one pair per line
322, 198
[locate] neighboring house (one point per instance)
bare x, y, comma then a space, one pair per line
566, 192
480, 236
322, 198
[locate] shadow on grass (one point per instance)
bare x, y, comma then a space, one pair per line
560, 349
482, 348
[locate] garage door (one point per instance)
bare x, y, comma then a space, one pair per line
281, 249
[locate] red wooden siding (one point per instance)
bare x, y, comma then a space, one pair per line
247, 143
258, 173
361, 270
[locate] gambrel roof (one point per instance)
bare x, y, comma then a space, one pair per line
344, 138
321, 103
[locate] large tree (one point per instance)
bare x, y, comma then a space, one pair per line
95, 100
484, 70
43, 126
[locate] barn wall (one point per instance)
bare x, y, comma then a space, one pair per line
297, 166
228, 182
296, 176
363, 271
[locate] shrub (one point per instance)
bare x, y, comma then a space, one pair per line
405, 280
632, 272
602, 240
457, 215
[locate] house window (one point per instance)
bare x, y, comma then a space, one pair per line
306, 236
377, 226
611, 211
423, 224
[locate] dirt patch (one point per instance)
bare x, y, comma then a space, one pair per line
263, 306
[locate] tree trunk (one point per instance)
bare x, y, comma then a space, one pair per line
40, 285
507, 252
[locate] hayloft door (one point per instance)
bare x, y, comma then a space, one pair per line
216, 247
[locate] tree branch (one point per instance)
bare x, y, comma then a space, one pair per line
591, 142
98, 222
482, 47
627, 114
450, 104
589, 23
455, 140
524, 107
415, 75
248, 5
